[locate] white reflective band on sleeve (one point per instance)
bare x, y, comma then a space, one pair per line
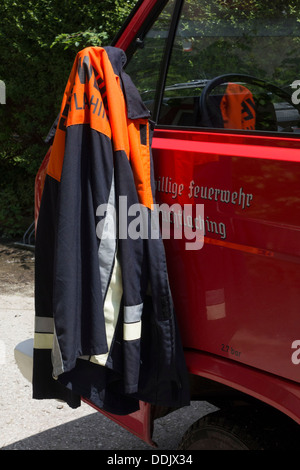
43, 341
132, 331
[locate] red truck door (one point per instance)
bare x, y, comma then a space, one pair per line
222, 86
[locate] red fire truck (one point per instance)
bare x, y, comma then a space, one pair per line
237, 298
221, 79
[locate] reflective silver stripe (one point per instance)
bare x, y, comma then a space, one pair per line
45, 338
108, 241
110, 272
57, 362
132, 326
43, 334
44, 324
133, 313
112, 306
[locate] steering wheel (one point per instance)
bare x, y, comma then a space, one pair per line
205, 108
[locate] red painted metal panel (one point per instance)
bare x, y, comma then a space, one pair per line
238, 297
282, 395
138, 423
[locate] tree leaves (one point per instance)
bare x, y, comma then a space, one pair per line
38, 43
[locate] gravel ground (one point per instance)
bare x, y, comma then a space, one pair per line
28, 424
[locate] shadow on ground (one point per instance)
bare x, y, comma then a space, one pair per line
96, 432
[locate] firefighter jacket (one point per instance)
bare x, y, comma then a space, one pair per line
105, 327
238, 108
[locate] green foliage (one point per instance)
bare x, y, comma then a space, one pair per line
38, 43
16, 193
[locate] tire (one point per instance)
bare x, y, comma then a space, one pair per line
236, 429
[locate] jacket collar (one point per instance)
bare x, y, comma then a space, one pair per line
136, 108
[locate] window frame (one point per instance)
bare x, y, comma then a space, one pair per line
137, 42
160, 88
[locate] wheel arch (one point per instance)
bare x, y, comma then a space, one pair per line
228, 380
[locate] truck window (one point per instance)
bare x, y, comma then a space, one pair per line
145, 64
235, 65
